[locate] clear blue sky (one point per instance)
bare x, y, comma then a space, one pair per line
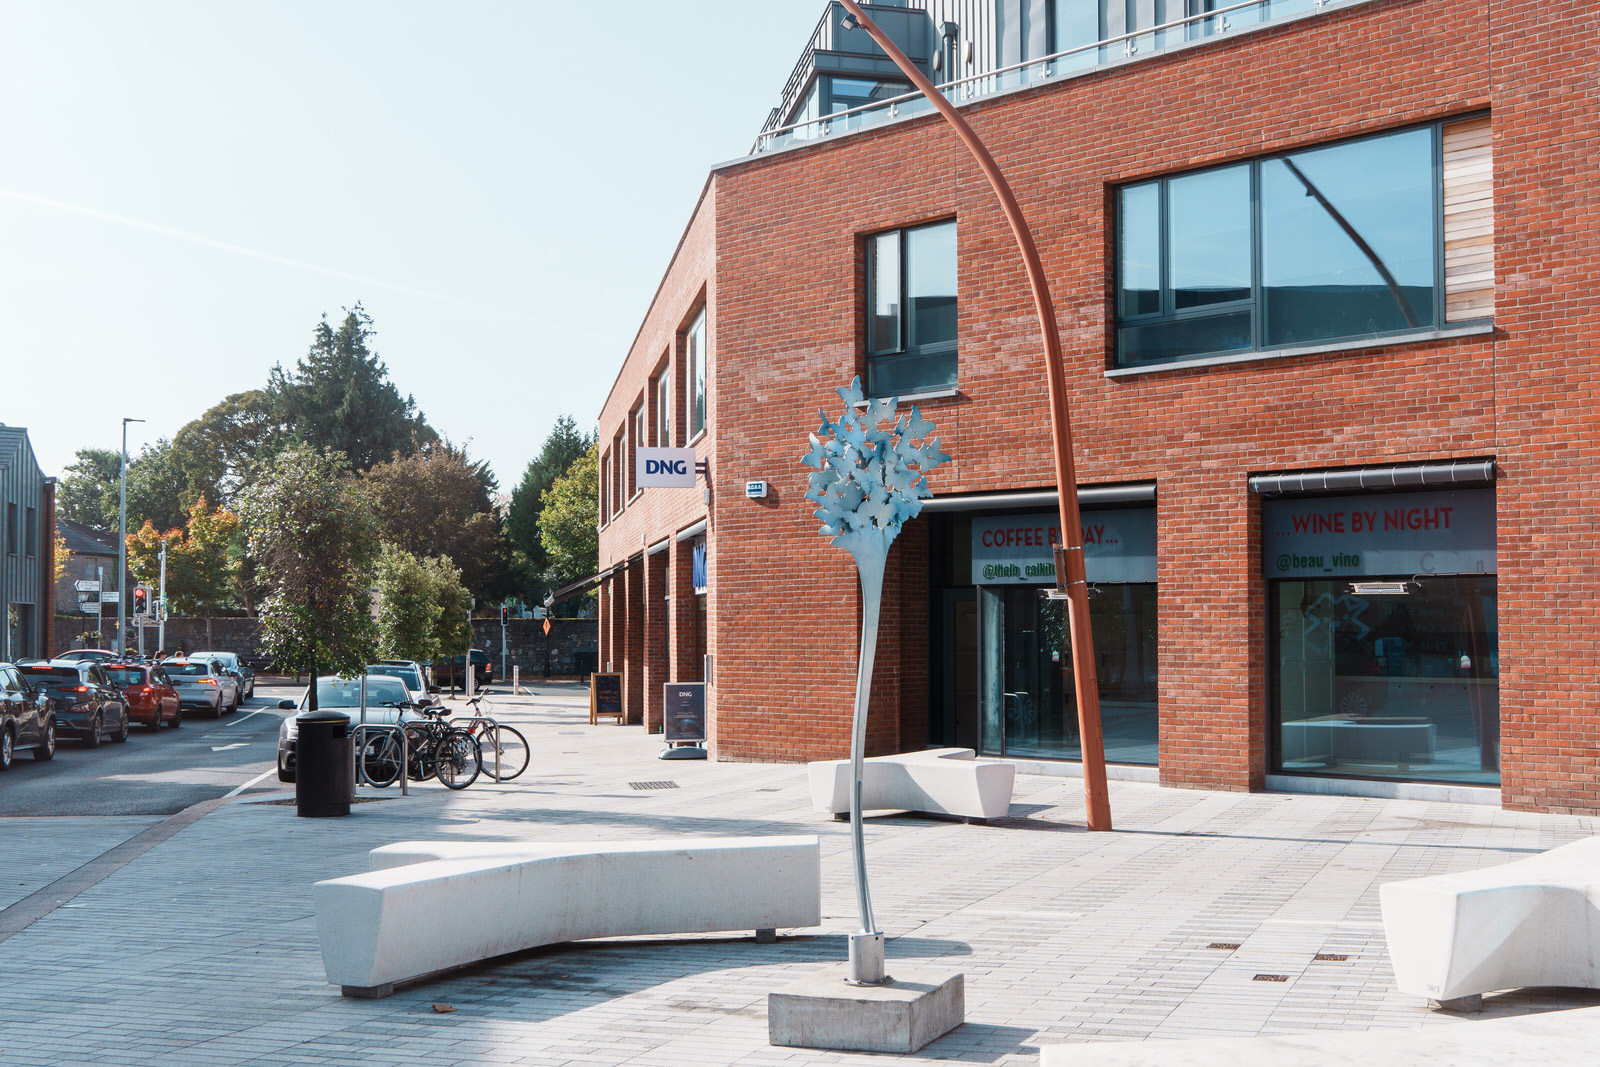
185, 188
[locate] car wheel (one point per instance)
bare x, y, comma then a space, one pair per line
93, 740
177, 717
46, 749
216, 709
155, 722
8, 749
122, 729
283, 775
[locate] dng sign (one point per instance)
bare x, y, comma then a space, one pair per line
665, 468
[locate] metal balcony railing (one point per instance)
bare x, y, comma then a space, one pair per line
1127, 47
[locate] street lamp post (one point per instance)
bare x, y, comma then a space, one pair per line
1070, 574
122, 542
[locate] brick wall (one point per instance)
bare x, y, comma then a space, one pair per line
787, 292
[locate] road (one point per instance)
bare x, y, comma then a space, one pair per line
152, 774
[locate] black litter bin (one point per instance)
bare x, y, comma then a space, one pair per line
323, 772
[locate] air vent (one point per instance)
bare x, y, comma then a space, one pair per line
1227, 945
1270, 978
1329, 957
652, 785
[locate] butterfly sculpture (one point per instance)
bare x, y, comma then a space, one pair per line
869, 476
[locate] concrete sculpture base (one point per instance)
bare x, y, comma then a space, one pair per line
824, 1011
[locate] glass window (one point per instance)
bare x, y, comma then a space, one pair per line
636, 427
1387, 686
11, 529
32, 532
699, 359
911, 310
1334, 243
847, 93
663, 390
1348, 238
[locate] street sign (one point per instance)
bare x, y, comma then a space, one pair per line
108, 598
664, 468
547, 627
86, 585
90, 607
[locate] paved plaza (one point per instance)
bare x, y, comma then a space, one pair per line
1203, 915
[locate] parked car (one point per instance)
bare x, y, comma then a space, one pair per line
452, 671
92, 655
26, 719
202, 684
151, 698
411, 675
344, 696
85, 703
231, 662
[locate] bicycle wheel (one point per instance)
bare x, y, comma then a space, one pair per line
459, 760
419, 757
380, 757
513, 751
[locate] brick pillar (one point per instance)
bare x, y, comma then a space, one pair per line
656, 636
633, 646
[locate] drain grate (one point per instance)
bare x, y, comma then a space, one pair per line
571, 733
652, 785
1329, 957
1270, 978
1229, 945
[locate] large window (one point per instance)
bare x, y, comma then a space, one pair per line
1343, 242
663, 399
699, 361
911, 310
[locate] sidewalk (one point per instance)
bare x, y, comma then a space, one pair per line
204, 950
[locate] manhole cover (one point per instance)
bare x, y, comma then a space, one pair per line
652, 785
1270, 978
1329, 957
1229, 945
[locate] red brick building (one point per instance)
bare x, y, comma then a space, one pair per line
1324, 276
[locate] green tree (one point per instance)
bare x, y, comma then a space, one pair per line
561, 449
407, 608
568, 521
158, 488
438, 502
88, 490
202, 569
454, 630
219, 451
339, 397
314, 537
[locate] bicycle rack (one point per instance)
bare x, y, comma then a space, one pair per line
405, 753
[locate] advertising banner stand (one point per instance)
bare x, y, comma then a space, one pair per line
683, 723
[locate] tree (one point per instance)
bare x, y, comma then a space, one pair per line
202, 569
407, 608
88, 491
220, 450
315, 540
561, 449
455, 606
568, 521
438, 502
339, 397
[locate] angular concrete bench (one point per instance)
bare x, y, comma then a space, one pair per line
1531, 922
942, 781
431, 906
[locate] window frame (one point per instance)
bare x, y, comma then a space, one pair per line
867, 303
1259, 347
638, 426
698, 393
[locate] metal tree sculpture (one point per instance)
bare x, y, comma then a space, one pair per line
868, 481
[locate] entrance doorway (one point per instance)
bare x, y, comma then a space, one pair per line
960, 668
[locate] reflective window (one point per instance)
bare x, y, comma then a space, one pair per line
698, 369
911, 310
1334, 243
1388, 686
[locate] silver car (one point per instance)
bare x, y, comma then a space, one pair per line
411, 676
342, 695
202, 684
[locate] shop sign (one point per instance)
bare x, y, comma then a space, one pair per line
664, 468
684, 711
1450, 532
1119, 545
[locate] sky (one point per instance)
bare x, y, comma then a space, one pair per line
187, 188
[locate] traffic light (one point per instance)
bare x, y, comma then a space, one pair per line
141, 600
505, 614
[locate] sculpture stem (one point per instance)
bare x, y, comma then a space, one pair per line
869, 565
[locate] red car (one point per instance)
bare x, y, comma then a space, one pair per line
151, 698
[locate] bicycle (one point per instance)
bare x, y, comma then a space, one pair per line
436, 749
503, 746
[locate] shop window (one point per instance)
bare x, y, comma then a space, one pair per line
1382, 236
911, 310
699, 374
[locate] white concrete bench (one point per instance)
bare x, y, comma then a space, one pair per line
430, 906
943, 781
1531, 922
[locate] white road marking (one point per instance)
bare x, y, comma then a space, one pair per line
250, 783
224, 748
242, 718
